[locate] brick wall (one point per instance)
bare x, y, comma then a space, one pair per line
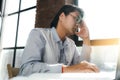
46, 10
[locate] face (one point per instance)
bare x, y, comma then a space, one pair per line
72, 22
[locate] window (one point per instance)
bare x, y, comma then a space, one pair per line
26, 23
102, 18
0, 6
18, 21
0, 23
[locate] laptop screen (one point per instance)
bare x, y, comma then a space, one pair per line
105, 57
118, 68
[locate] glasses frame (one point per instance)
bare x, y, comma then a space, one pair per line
78, 19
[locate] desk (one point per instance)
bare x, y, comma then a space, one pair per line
68, 76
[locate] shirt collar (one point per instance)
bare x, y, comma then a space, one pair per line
57, 38
55, 35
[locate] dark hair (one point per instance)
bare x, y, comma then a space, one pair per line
66, 9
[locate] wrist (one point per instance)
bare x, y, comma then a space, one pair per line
62, 69
86, 41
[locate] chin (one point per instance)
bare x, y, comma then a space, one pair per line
73, 33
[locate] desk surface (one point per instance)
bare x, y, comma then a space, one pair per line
69, 76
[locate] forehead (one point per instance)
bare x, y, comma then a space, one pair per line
75, 13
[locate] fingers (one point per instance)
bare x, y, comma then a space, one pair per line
82, 24
84, 67
90, 66
83, 31
94, 68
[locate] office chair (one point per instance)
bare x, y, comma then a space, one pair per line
12, 72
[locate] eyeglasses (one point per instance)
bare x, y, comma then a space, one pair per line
78, 19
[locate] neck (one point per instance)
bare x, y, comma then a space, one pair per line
61, 32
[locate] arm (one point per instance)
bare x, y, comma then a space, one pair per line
80, 63
83, 66
32, 59
84, 34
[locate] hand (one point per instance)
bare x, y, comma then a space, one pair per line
84, 32
84, 66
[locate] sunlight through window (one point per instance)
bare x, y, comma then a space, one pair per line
102, 18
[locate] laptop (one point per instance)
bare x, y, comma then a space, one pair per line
117, 77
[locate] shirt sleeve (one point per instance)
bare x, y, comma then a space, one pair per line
39, 67
84, 54
32, 59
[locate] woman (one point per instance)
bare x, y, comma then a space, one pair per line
50, 50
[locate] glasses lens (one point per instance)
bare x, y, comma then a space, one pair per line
79, 19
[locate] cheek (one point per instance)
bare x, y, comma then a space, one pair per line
70, 22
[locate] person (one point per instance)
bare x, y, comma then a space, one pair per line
50, 50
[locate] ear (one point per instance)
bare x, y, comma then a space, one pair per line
62, 16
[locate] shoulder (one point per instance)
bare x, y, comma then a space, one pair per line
69, 40
40, 31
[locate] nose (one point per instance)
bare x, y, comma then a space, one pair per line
77, 25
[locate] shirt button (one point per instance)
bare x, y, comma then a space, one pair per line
67, 62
